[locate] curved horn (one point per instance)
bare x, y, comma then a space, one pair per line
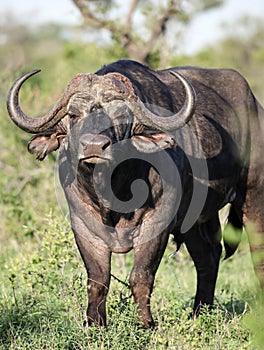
175, 121
28, 124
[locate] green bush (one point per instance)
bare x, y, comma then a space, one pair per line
43, 301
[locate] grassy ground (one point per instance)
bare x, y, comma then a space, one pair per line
43, 300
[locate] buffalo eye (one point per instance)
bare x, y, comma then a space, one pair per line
73, 117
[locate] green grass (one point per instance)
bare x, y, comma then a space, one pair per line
43, 300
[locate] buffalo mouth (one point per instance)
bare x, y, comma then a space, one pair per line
94, 148
94, 159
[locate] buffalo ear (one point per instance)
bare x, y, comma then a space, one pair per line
153, 142
44, 143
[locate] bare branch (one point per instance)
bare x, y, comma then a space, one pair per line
160, 25
141, 50
128, 38
132, 8
92, 20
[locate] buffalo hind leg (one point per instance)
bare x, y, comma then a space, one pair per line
203, 244
97, 262
254, 223
147, 258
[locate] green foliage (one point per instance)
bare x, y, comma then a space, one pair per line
43, 302
254, 322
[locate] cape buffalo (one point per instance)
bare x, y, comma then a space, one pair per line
145, 154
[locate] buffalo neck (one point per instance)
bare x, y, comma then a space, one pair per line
107, 191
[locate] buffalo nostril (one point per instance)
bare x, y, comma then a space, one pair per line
94, 145
106, 144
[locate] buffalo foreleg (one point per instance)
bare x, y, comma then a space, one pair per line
97, 261
203, 244
146, 261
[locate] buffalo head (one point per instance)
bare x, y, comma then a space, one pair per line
102, 111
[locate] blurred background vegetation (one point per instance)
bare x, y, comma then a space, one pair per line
27, 190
